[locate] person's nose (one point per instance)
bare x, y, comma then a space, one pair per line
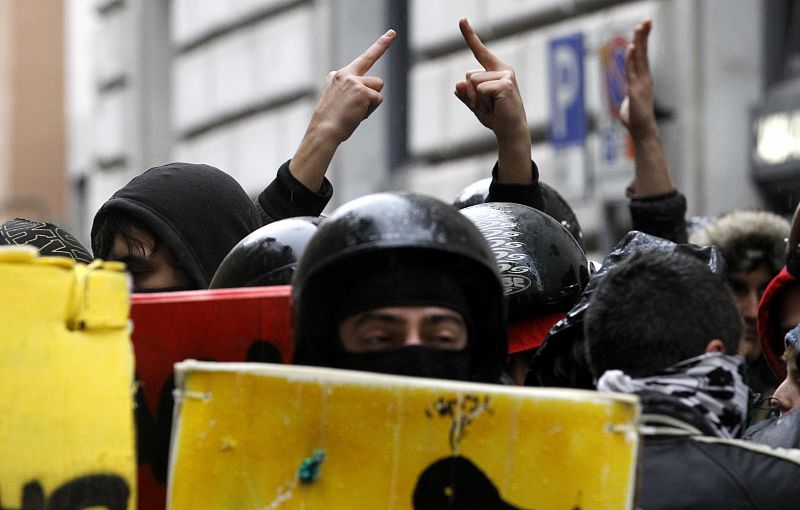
787, 395
413, 337
751, 305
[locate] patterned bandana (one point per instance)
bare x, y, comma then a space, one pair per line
51, 239
712, 384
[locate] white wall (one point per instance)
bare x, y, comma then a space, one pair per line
731, 60
241, 99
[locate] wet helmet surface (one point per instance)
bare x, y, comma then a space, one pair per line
474, 194
268, 256
382, 226
541, 264
557, 207
554, 204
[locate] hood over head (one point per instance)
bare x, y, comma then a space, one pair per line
769, 322
747, 240
197, 211
770, 332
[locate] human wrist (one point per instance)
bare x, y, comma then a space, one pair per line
646, 135
312, 158
324, 132
514, 160
517, 141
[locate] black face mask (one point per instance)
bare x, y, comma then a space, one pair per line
164, 289
414, 361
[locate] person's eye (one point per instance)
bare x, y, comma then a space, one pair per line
137, 268
445, 339
375, 340
738, 289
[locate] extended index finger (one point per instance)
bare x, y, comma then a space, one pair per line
366, 60
486, 58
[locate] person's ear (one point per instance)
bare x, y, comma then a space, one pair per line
715, 345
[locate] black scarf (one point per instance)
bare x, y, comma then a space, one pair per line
414, 361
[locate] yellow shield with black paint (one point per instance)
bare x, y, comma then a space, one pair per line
66, 379
251, 436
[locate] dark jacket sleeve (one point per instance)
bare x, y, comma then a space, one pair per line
682, 472
661, 215
525, 194
286, 197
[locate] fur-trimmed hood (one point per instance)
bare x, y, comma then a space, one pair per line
747, 239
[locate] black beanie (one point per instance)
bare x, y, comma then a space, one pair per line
50, 239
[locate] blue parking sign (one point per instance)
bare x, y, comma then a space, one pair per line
567, 111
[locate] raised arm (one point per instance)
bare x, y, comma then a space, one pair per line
638, 114
348, 97
656, 207
492, 94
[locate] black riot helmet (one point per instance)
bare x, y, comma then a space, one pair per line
268, 256
474, 194
542, 266
385, 230
553, 204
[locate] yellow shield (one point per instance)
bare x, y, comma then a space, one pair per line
66, 372
252, 436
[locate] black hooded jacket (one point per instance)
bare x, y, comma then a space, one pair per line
286, 197
199, 212
683, 467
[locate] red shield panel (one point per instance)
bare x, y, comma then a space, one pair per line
248, 324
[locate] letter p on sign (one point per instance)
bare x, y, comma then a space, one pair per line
567, 113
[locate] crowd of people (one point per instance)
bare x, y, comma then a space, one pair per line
698, 318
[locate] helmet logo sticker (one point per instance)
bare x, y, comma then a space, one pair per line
514, 284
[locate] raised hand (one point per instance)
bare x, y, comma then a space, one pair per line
492, 94
348, 97
637, 110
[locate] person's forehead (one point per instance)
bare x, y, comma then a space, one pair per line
413, 313
758, 277
121, 246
